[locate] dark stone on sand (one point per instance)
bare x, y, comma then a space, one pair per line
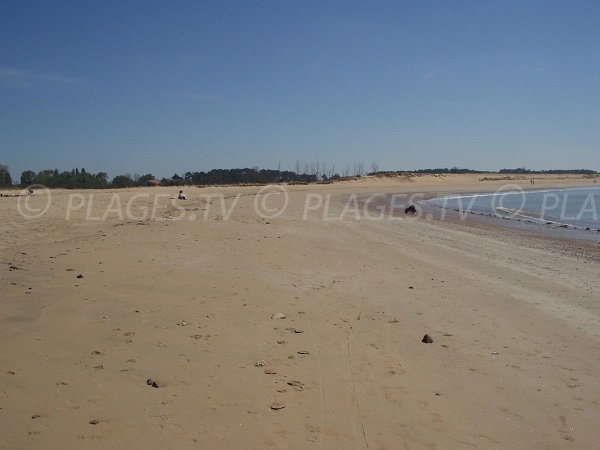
294, 330
151, 382
427, 339
79, 276
299, 386
94, 422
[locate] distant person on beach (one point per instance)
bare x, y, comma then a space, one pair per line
181, 196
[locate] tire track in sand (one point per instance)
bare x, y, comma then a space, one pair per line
321, 383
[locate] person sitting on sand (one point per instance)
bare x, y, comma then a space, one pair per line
181, 196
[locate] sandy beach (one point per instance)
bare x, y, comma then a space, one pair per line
99, 299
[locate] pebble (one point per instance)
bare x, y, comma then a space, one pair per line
277, 406
299, 386
260, 363
427, 339
151, 382
278, 316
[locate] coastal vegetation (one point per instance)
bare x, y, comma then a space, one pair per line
303, 173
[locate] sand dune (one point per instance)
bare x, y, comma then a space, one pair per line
94, 306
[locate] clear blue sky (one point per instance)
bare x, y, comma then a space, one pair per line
166, 87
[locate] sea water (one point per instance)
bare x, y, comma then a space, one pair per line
571, 207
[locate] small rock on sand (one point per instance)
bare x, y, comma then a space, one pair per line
260, 363
278, 316
277, 406
427, 339
151, 382
299, 386
79, 276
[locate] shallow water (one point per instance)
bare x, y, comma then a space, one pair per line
572, 207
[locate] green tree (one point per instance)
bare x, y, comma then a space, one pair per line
27, 178
102, 178
5, 178
122, 181
145, 178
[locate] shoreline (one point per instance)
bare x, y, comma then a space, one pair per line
565, 239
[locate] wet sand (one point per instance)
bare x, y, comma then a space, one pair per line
188, 303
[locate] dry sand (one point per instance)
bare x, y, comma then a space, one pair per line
188, 303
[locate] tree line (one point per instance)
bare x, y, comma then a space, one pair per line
82, 179
523, 170
303, 173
